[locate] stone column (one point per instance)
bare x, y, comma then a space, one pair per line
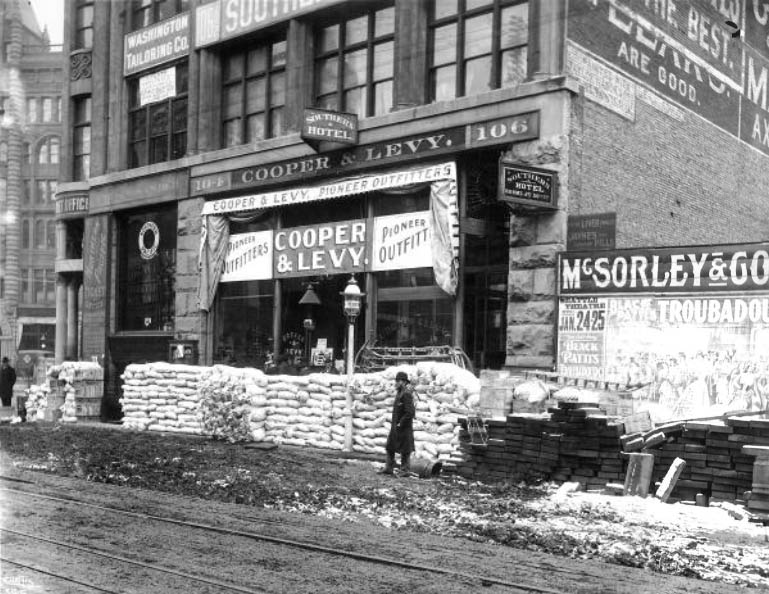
61, 318
72, 309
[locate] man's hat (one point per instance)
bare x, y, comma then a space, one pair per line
5, 359
401, 375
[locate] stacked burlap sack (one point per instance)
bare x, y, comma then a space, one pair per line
37, 402
245, 404
162, 397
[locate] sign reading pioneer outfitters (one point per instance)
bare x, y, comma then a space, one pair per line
157, 44
331, 126
528, 186
740, 267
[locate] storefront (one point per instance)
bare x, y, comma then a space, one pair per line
688, 326
277, 262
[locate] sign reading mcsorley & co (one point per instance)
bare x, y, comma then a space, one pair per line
720, 268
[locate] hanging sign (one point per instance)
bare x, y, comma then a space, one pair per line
157, 44
331, 248
157, 86
249, 257
528, 186
402, 241
330, 126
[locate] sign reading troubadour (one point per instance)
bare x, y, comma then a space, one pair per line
528, 186
331, 126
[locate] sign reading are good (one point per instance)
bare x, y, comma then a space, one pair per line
402, 241
331, 248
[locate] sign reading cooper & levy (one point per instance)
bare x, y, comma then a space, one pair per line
331, 126
157, 44
408, 148
528, 186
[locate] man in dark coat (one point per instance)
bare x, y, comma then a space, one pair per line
401, 437
7, 379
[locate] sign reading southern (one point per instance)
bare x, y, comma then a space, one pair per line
249, 257
527, 185
346, 187
409, 148
224, 19
331, 126
157, 44
591, 232
330, 248
157, 86
688, 356
743, 267
684, 51
402, 241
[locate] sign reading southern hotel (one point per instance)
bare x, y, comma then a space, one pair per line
157, 44
734, 267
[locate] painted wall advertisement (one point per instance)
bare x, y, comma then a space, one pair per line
694, 345
160, 43
686, 52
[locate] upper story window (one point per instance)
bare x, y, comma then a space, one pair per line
47, 109
31, 110
476, 46
84, 24
81, 138
48, 151
45, 192
158, 132
26, 149
147, 12
354, 64
254, 94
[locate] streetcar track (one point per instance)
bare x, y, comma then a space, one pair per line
483, 580
57, 576
122, 559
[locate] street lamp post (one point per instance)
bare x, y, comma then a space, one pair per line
352, 305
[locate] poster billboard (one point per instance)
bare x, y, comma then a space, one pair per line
248, 257
689, 355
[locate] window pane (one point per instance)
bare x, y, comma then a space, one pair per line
478, 35
478, 75
232, 133
326, 74
472, 4
182, 79
278, 90
255, 127
233, 66
356, 30
514, 67
179, 107
138, 154
158, 150
255, 95
444, 83
54, 150
277, 122
257, 61
138, 125
41, 192
327, 102
355, 68
445, 45
384, 22
232, 101
158, 119
47, 109
50, 235
515, 25
83, 137
50, 286
166, 9
444, 8
179, 145
328, 39
25, 239
27, 192
383, 61
355, 101
84, 38
39, 234
42, 154
383, 97
31, 110
279, 54
84, 17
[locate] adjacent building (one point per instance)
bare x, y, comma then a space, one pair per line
222, 158
31, 73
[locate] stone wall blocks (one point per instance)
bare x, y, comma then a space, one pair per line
535, 256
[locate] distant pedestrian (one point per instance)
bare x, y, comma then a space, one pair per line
401, 437
7, 380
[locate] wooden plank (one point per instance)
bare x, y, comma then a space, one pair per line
639, 474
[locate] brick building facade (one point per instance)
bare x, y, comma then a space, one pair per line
194, 113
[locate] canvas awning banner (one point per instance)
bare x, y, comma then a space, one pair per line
330, 190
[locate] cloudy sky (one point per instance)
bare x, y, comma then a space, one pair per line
50, 13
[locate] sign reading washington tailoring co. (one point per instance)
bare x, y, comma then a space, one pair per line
734, 267
157, 44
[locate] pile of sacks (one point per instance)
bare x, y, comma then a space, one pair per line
245, 404
37, 402
162, 397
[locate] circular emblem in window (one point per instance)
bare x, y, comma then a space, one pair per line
149, 245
